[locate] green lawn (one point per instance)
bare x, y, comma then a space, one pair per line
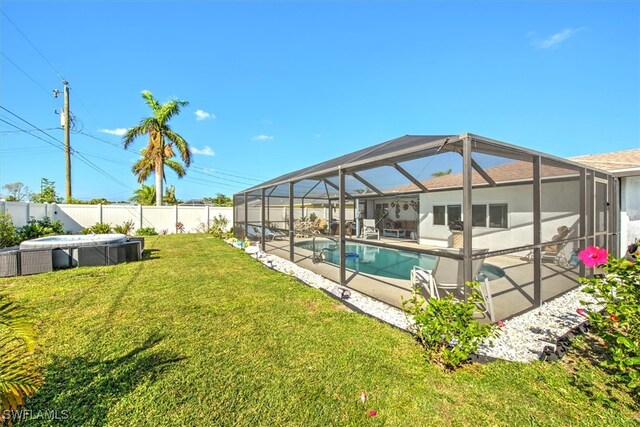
201, 334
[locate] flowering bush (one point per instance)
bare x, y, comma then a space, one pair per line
447, 328
618, 325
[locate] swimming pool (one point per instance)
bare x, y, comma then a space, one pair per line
378, 261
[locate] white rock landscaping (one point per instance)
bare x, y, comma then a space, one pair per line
522, 338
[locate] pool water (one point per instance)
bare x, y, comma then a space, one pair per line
393, 263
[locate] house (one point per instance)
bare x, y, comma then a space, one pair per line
625, 166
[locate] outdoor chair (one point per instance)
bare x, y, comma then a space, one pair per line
369, 229
554, 251
447, 276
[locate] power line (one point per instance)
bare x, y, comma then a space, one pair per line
32, 125
35, 136
33, 45
195, 170
76, 154
27, 74
88, 162
8, 132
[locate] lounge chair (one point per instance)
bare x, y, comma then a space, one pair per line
369, 229
447, 276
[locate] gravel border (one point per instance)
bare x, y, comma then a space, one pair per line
522, 338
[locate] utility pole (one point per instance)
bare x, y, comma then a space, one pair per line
66, 116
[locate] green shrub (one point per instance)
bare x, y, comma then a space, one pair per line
218, 227
40, 227
447, 328
126, 228
618, 326
8, 232
98, 228
146, 231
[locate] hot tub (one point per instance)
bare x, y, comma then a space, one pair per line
73, 241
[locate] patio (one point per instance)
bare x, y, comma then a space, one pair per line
425, 194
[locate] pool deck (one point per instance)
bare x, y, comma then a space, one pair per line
512, 294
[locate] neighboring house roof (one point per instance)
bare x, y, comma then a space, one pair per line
618, 163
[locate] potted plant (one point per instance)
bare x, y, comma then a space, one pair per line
456, 227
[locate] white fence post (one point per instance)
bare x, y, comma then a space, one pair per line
28, 212
175, 224
99, 213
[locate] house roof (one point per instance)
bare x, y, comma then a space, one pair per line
619, 163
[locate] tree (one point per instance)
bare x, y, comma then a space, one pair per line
441, 173
144, 195
162, 139
17, 192
219, 200
47, 193
19, 375
170, 196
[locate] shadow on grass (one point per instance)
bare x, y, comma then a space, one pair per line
149, 254
81, 390
588, 350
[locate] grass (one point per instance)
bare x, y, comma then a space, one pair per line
201, 334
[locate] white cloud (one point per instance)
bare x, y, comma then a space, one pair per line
203, 115
557, 38
206, 151
117, 131
262, 138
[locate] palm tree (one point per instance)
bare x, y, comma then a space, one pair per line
170, 196
441, 173
19, 375
162, 139
144, 195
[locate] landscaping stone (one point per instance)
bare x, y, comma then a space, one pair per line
523, 338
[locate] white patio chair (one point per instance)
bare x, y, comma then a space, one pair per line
447, 276
369, 229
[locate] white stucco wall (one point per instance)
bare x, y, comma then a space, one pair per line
629, 211
559, 204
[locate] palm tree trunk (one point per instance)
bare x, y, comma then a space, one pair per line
159, 179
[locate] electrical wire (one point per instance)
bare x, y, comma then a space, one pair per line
27, 74
8, 132
32, 45
35, 136
32, 125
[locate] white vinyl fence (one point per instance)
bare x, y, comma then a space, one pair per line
76, 217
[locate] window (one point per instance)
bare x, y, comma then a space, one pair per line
454, 213
479, 216
445, 215
498, 214
439, 215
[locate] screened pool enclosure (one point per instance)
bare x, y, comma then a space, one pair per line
462, 206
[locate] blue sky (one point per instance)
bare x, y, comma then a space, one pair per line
276, 86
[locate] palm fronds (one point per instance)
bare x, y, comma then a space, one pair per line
19, 376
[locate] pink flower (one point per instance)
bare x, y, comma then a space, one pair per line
501, 324
373, 413
581, 312
593, 256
